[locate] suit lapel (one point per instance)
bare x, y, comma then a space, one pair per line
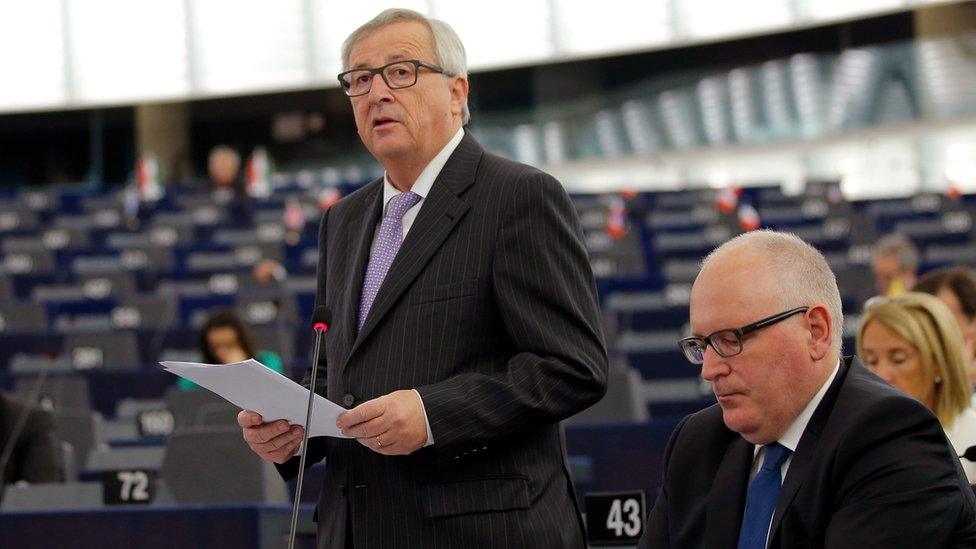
806, 450
440, 213
727, 499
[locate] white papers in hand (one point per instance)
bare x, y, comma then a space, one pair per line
253, 386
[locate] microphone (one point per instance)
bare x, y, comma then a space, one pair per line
321, 318
969, 454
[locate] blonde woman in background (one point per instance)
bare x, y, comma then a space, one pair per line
913, 342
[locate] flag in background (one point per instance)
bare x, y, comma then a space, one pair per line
953, 192
617, 218
147, 177
727, 199
748, 217
258, 174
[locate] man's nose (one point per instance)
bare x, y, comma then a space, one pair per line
713, 365
378, 90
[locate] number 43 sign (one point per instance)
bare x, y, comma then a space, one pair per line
614, 518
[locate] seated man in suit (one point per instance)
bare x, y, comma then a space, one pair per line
804, 448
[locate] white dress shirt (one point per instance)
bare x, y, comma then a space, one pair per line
962, 436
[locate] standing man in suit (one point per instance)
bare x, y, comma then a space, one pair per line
466, 324
803, 449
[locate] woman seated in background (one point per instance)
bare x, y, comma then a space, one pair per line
224, 339
956, 287
913, 342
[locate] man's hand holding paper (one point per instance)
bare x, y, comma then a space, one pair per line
276, 441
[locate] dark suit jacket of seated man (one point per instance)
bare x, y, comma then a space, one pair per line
486, 327
872, 468
27, 444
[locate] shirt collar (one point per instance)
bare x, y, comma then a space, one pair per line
426, 179
791, 438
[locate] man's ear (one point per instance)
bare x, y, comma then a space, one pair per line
821, 333
459, 94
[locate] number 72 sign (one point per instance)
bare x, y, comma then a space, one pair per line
134, 486
615, 518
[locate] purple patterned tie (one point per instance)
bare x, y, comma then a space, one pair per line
387, 245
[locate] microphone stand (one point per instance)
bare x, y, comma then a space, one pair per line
320, 328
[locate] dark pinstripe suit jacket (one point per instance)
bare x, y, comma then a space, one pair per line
489, 310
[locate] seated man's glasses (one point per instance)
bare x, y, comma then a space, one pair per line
728, 343
397, 75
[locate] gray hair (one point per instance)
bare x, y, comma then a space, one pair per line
447, 44
901, 246
802, 273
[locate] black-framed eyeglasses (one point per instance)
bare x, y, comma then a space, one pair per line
728, 343
397, 75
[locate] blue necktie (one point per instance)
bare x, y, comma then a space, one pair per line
761, 501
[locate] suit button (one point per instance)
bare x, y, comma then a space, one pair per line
342, 490
348, 400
